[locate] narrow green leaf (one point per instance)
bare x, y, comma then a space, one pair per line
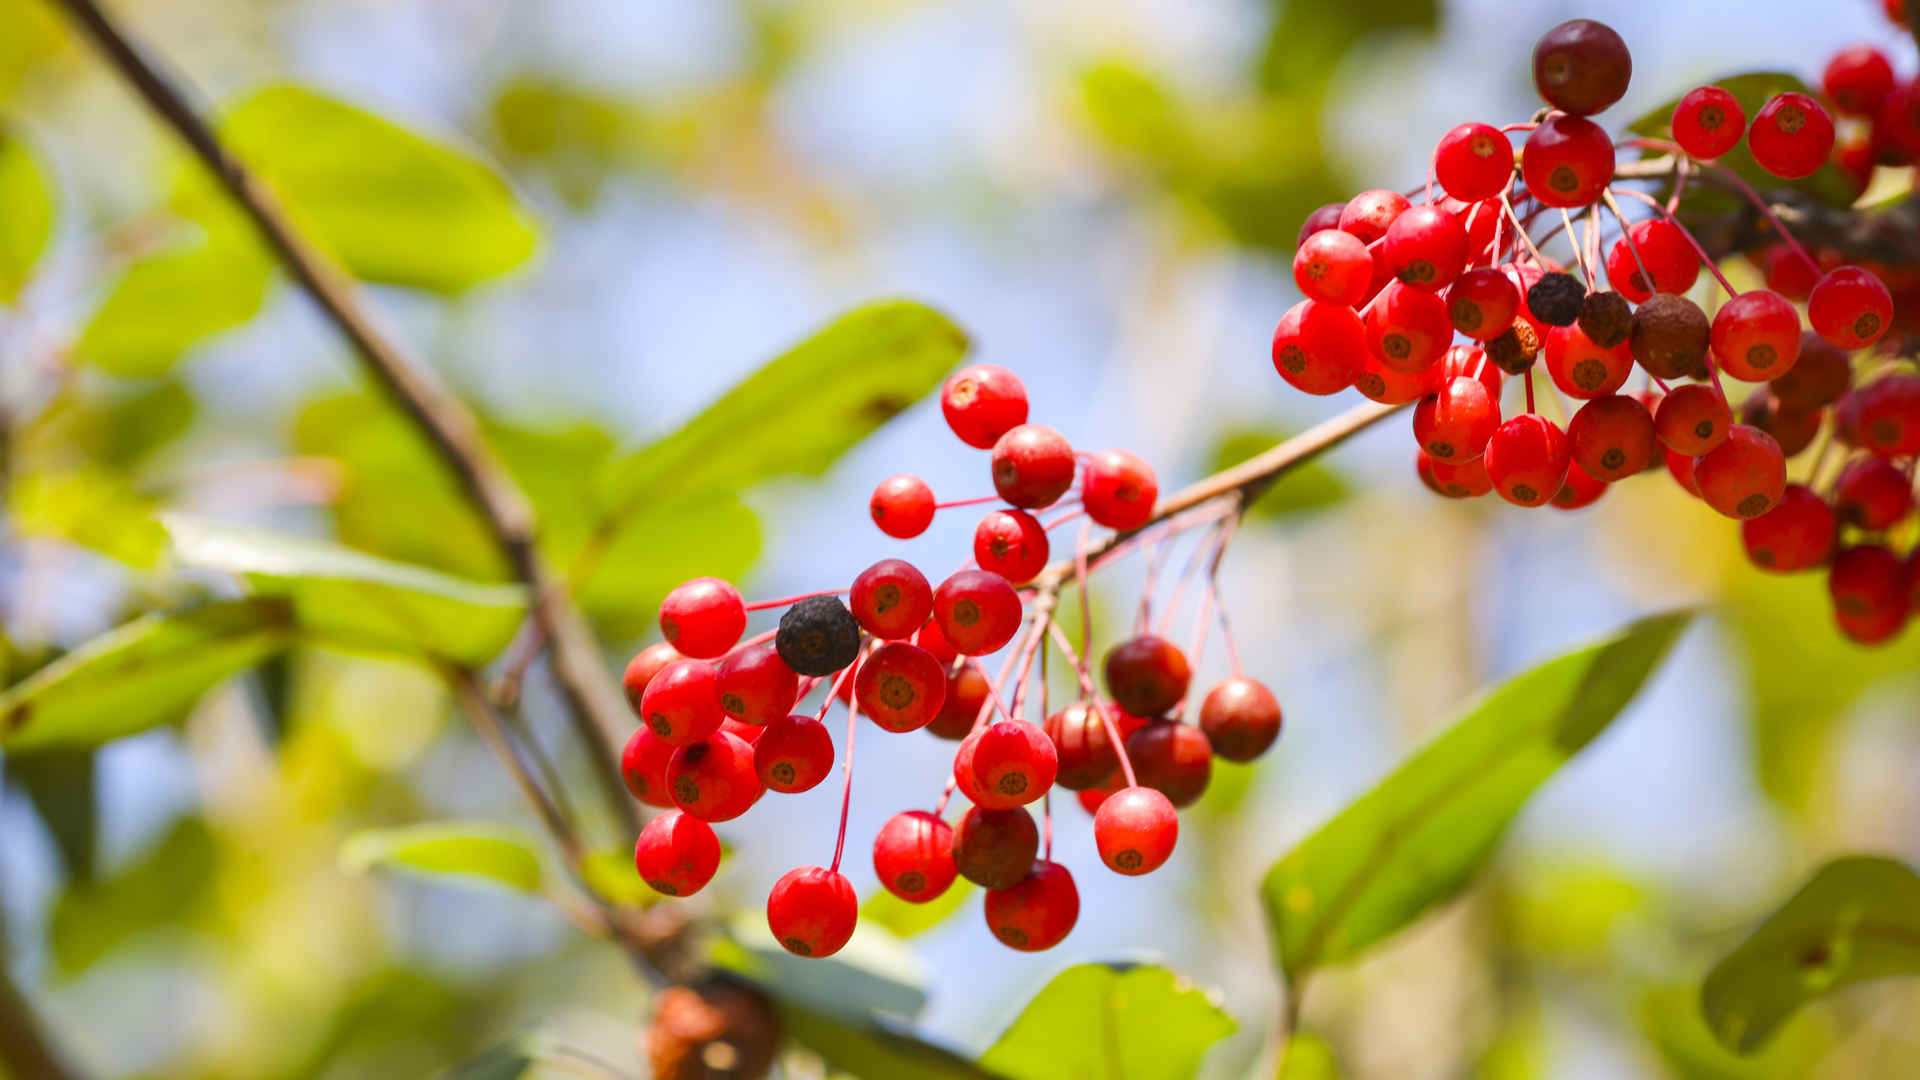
164, 888
146, 673
1669, 1017
482, 852
396, 208
26, 215
1129, 1023
1422, 833
1857, 918
903, 919
90, 507
170, 301
352, 599
1752, 89
874, 1047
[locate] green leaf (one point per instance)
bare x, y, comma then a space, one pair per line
396, 208
874, 1047
1422, 833
164, 888
1309, 1057
1753, 89
904, 919
610, 874
91, 507
60, 784
1128, 1023
1308, 40
146, 673
352, 599
508, 1061
477, 851
1308, 487
26, 215
1669, 1017
1857, 918
169, 301
874, 974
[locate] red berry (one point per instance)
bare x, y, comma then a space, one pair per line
1581, 66
1858, 79
1581, 367
755, 685
1708, 122
900, 686
794, 754
1390, 387
1819, 377
1692, 420
1119, 490
1527, 460
751, 733
1850, 308
1887, 415
643, 766
1135, 830
1013, 764
1612, 437
1474, 162
931, 639
1567, 161
1482, 303
1241, 718
1580, 490
714, 779
891, 599
966, 693
812, 911
682, 703
1464, 481
1326, 217
1870, 591
1756, 336
1898, 125
1146, 675
1173, 758
1471, 362
1896, 12
1426, 247
1333, 267
1319, 348
1872, 493
1039, 912
902, 506
1792, 136
1662, 251
983, 402
1091, 799
642, 668
977, 612
1010, 543
1792, 429
995, 849
1086, 756
1797, 534
1744, 476
1032, 466
1408, 329
1680, 467
913, 856
1454, 423
703, 618
676, 855
1369, 214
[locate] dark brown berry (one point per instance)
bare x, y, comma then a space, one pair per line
1606, 318
818, 636
1670, 336
1514, 351
1581, 67
712, 1030
1556, 298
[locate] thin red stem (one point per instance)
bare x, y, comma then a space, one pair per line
762, 605
1093, 702
846, 787
975, 501
1046, 824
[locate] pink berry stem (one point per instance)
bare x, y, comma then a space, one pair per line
1080, 582
1626, 235
758, 639
1187, 573
1093, 702
1746, 190
1046, 825
1688, 236
1593, 240
1506, 205
1073, 515
846, 786
1155, 563
1529, 384
1574, 242
833, 692
1226, 639
784, 601
1035, 635
975, 501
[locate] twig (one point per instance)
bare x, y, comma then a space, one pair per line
25, 1048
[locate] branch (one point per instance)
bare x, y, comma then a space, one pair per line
25, 1049
447, 423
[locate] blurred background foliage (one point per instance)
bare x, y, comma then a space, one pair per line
594, 219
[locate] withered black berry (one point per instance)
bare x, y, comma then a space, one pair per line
1606, 318
818, 636
1556, 298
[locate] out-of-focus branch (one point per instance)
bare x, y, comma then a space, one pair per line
25, 1049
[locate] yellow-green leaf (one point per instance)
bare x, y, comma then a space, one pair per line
1115, 1021
475, 851
1669, 1017
905, 919
91, 507
26, 214
171, 300
610, 874
163, 889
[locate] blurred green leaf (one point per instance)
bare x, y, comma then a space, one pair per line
1312, 486
1127, 1023
118, 425
351, 599
508, 1061
875, 1047
1670, 1018
60, 784
91, 507
874, 974
163, 888
904, 919
1309, 1057
146, 673
1753, 89
396, 208
1422, 833
1857, 918
27, 199
1566, 910
611, 875
1310, 37
173, 299
478, 851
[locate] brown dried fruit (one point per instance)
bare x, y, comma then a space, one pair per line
1606, 318
713, 1030
1670, 335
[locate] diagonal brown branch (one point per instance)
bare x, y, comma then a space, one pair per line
25, 1049
446, 421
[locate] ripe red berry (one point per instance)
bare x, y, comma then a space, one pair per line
1039, 912
1850, 307
1612, 437
1471, 362
1086, 756
1389, 387
1426, 247
682, 703
1756, 336
977, 612
755, 685
676, 855
1454, 423
1786, 272
900, 686
1567, 161
1135, 830
1680, 467
1118, 490
1468, 480
902, 506
983, 402
1886, 415
1146, 675
1369, 214
794, 754
1744, 476
1872, 493
642, 668
1241, 718
703, 618
1326, 217
1581, 367
966, 693
1662, 251
995, 849
1333, 267
1792, 136
891, 599
931, 639
1819, 377
643, 766
1581, 66
1032, 466
1173, 758
1482, 303
714, 779
1013, 764
1319, 348
1580, 489
1692, 420
913, 856
1797, 534
1010, 543
1792, 429
1408, 329
1708, 122
1858, 79
1473, 162
1870, 593
1898, 125
812, 911
1527, 460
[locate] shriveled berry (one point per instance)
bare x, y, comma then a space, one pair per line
1038, 912
677, 854
977, 612
714, 779
1581, 66
1333, 267
1567, 161
1744, 476
682, 703
642, 668
812, 911
1032, 466
1670, 337
1013, 764
1473, 162
1797, 534
703, 617
755, 685
1607, 318
1693, 419
1872, 493
1135, 830
1792, 136
1241, 718
1173, 758
818, 636
1118, 490
1527, 460
913, 856
1556, 299
1319, 348
643, 767
902, 506
1146, 675
891, 599
1612, 437
794, 754
983, 402
900, 686
1514, 351
1708, 122
1010, 543
995, 849
1850, 307
1756, 336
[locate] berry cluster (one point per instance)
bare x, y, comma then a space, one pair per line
719, 727
1391, 284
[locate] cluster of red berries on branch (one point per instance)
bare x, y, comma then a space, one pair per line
718, 708
1437, 302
